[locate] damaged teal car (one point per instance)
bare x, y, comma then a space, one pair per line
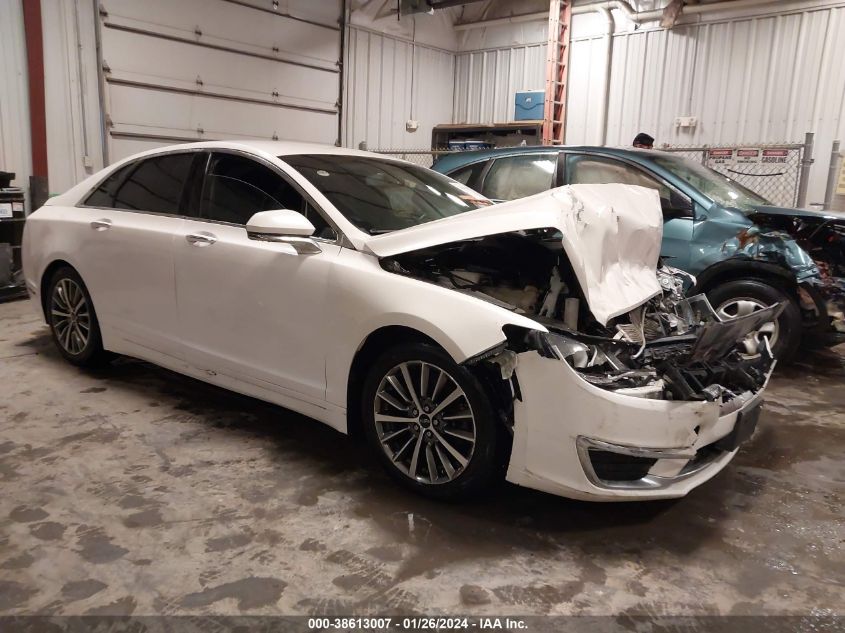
745, 253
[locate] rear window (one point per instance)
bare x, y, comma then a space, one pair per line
103, 196
154, 185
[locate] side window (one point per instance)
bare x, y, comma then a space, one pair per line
595, 170
469, 174
237, 187
519, 176
103, 196
155, 185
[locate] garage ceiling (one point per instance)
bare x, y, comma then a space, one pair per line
232, 72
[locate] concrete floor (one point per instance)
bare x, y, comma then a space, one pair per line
139, 491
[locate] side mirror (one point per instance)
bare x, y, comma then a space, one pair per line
280, 222
284, 226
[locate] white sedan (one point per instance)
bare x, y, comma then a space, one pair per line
535, 338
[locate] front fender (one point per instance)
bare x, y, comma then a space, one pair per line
366, 298
737, 267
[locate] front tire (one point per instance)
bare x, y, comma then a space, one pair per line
73, 321
742, 297
430, 422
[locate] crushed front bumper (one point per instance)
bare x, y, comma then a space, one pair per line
577, 440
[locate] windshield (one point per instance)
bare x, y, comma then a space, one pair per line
379, 195
718, 187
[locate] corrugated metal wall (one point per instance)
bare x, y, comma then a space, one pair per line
768, 78
762, 78
74, 139
71, 94
380, 91
15, 150
493, 62
485, 81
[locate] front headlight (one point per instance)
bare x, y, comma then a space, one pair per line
598, 364
581, 354
574, 352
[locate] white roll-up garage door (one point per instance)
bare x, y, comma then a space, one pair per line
219, 69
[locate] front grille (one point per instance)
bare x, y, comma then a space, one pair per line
610, 466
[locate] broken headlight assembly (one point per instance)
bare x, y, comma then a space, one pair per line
598, 362
673, 348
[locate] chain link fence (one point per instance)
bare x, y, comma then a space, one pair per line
772, 170
775, 171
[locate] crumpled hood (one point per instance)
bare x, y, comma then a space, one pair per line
611, 235
820, 232
831, 216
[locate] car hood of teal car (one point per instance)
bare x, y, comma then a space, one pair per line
799, 213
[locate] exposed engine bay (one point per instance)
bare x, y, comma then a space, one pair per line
823, 238
670, 347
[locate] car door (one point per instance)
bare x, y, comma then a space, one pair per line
133, 218
678, 217
250, 309
519, 176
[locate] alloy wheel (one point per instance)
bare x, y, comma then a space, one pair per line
743, 306
424, 422
70, 316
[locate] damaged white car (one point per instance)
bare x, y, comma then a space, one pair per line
536, 338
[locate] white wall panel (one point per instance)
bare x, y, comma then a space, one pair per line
15, 150
586, 80
174, 115
485, 81
767, 77
141, 58
234, 25
198, 69
379, 16
74, 138
381, 96
513, 35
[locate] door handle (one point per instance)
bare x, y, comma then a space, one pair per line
101, 225
200, 239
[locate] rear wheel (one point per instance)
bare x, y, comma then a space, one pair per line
73, 321
430, 422
744, 297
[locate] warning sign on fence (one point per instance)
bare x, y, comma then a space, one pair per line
775, 156
720, 157
748, 156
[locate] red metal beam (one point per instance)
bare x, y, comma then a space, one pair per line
35, 73
557, 67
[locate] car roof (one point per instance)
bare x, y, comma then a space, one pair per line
455, 160
266, 148
275, 148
